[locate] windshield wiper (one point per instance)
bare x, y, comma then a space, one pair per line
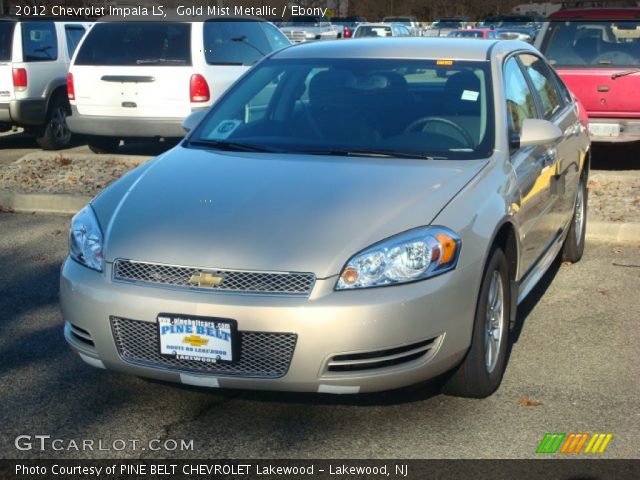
373, 153
231, 146
145, 61
625, 73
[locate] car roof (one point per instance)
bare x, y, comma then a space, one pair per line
596, 14
407, 47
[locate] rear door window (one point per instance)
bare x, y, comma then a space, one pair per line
39, 42
137, 43
234, 43
543, 83
74, 34
6, 40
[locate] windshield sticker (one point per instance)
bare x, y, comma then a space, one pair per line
224, 129
470, 95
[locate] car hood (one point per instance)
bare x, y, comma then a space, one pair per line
270, 212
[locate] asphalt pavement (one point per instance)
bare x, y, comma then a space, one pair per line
574, 368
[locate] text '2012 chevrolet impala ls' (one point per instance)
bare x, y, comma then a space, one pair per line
349, 217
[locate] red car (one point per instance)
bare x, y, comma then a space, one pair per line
596, 51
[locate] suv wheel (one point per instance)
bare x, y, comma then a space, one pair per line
481, 371
103, 144
56, 133
573, 247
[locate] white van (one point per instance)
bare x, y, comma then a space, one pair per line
135, 80
34, 58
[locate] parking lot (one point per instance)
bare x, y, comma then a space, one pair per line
573, 368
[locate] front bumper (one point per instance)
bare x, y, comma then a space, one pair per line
124, 127
616, 130
326, 324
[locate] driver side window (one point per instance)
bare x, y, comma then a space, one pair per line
520, 100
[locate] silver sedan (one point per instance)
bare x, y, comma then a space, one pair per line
349, 217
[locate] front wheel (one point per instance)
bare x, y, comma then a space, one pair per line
56, 134
481, 371
573, 247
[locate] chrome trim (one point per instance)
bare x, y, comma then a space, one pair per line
169, 286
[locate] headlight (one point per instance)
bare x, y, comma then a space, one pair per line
85, 239
413, 255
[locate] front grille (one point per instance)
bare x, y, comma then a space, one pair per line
261, 354
283, 283
355, 362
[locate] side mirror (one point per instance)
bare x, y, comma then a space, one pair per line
193, 119
538, 132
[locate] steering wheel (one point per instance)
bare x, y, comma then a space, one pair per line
425, 120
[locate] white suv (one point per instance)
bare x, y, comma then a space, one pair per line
34, 57
139, 80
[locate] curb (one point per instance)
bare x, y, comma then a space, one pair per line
53, 203
613, 232
69, 204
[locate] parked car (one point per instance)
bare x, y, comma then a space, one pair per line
525, 34
141, 79
444, 26
410, 22
531, 20
597, 54
347, 25
304, 29
34, 57
381, 30
371, 222
483, 33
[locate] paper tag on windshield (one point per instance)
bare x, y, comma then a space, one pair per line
470, 95
224, 129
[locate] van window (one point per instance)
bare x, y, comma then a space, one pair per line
234, 43
275, 36
39, 42
74, 34
6, 39
137, 43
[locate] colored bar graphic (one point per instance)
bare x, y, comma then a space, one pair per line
550, 442
573, 443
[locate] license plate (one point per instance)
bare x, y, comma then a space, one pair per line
604, 129
202, 339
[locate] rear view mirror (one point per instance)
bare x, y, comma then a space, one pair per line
192, 120
538, 132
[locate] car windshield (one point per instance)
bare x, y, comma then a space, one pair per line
593, 44
447, 24
396, 108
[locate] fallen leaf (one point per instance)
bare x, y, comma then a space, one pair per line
604, 293
566, 264
527, 402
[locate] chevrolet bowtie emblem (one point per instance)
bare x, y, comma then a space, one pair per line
195, 340
205, 279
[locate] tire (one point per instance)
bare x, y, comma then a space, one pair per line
480, 373
103, 144
56, 134
573, 247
